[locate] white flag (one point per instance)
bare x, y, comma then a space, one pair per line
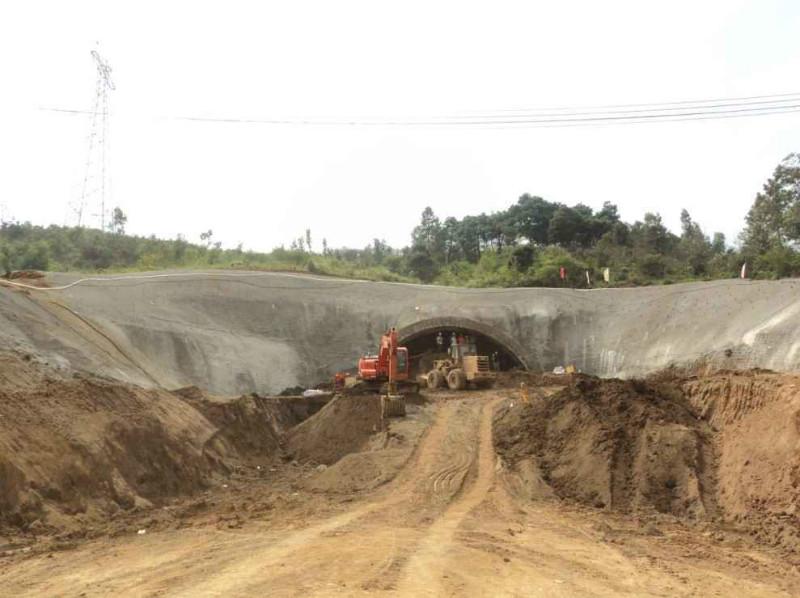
588, 280
743, 273
607, 274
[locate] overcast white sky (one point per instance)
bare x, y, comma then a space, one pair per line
262, 185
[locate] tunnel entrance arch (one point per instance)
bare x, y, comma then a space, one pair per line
420, 338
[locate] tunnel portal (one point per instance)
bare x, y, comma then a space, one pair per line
423, 348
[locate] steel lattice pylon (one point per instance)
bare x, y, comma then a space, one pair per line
97, 143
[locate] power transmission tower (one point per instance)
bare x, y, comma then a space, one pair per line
95, 172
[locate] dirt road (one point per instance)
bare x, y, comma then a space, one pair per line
446, 526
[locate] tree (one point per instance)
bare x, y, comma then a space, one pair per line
608, 213
522, 257
6, 258
422, 265
427, 235
469, 239
779, 262
308, 239
651, 235
118, 221
774, 217
532, 216
36, 257
652, 266
718, 243
564, 226
206, 237
380, 249
694, 247
324, 246
450, 239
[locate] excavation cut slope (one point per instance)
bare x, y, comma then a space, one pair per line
756, 415
719, 447
233, 333
612, 443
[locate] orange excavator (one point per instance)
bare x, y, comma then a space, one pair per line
389, 370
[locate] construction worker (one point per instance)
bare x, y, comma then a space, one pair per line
453, 346
439, 342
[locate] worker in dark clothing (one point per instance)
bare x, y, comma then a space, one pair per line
439, 342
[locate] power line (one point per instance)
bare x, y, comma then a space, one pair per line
718, 108
667, 108
568, 119
657, 104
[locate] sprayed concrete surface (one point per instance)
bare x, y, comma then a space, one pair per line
234, 332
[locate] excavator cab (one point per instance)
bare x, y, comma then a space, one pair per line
389, 368
402, 363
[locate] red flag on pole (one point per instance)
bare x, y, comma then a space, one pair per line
562, 272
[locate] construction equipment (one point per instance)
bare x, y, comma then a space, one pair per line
390, 367
466, 368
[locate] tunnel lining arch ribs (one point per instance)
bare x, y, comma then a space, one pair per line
408, 333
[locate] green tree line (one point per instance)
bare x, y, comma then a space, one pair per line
527, 244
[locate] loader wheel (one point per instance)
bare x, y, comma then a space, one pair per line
456, 380
435, 379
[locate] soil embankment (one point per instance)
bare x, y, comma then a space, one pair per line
75, 450
718, 448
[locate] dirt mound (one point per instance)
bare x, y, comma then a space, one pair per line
624, 445
721, 447
88, 448
343, 426
76, 450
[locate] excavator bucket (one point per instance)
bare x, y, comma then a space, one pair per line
393, 406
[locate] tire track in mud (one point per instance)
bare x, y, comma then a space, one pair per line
442, 478
366, 548
253, 571
422, 575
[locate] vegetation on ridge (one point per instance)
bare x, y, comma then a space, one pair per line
525, 245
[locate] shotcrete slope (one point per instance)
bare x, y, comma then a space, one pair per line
234, 332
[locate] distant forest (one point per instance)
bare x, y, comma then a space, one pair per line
534, 242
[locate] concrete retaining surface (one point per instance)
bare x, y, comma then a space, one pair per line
236, 332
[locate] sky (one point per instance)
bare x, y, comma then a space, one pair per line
263, 184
